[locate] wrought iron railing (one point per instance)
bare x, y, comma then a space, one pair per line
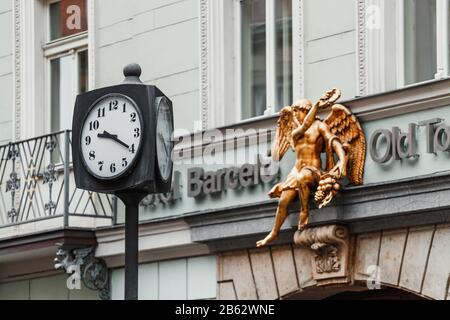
36, 183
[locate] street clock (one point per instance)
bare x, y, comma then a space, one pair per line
122, 144
122, 138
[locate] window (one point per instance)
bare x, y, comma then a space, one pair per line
420, 40
423, 26
407, 42
65, 84
253, 63
283, 60
67, 59
266, 56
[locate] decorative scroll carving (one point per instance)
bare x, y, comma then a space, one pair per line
93, 271
329, 247
327, 259
13, 184
50, 176
51, 145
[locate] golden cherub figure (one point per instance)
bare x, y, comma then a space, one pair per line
299, 128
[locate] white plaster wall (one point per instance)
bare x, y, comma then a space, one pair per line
330, 47
44, 288
163, 37
191, 278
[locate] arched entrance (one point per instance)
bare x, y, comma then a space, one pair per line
353, 293
381, 294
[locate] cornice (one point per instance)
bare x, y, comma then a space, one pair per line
381, 206
158, 240
146, 228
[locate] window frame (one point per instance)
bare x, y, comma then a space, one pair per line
220, 61
442, 43
271, 98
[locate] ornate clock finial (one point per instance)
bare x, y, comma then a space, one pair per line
132, 72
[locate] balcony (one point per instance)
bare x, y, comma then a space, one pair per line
38, 193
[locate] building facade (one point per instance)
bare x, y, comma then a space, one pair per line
228, 66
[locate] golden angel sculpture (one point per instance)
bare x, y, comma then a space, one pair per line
300, 129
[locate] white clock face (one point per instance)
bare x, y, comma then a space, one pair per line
111, 136
164, 142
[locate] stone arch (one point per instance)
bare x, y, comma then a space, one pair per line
355, 291
413, 260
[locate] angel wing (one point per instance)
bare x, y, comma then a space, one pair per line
283, 132
347, 128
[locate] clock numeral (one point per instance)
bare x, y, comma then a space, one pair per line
124, 107
100, 165
92, 155
124, 162
137, 133
94, 125
112, 168
133, 148
113, 105
133, 117
88, 140
101, 112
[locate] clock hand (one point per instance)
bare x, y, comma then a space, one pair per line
108, 135
161, 137
122, 143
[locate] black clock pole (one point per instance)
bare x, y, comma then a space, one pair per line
131, 201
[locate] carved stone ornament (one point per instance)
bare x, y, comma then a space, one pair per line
93, 271
329, 248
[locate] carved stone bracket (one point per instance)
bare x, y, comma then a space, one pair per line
329, 248
93, 271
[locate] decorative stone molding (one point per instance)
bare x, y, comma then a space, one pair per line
298, 49
204, 61
329, 248
17, 70
218, 78
91, 44
93, 271
361, 53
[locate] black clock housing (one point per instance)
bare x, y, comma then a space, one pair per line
142, 177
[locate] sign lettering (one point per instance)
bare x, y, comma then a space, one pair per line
202, 183
400, 145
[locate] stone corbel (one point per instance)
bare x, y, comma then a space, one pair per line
82, 264
329, 247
